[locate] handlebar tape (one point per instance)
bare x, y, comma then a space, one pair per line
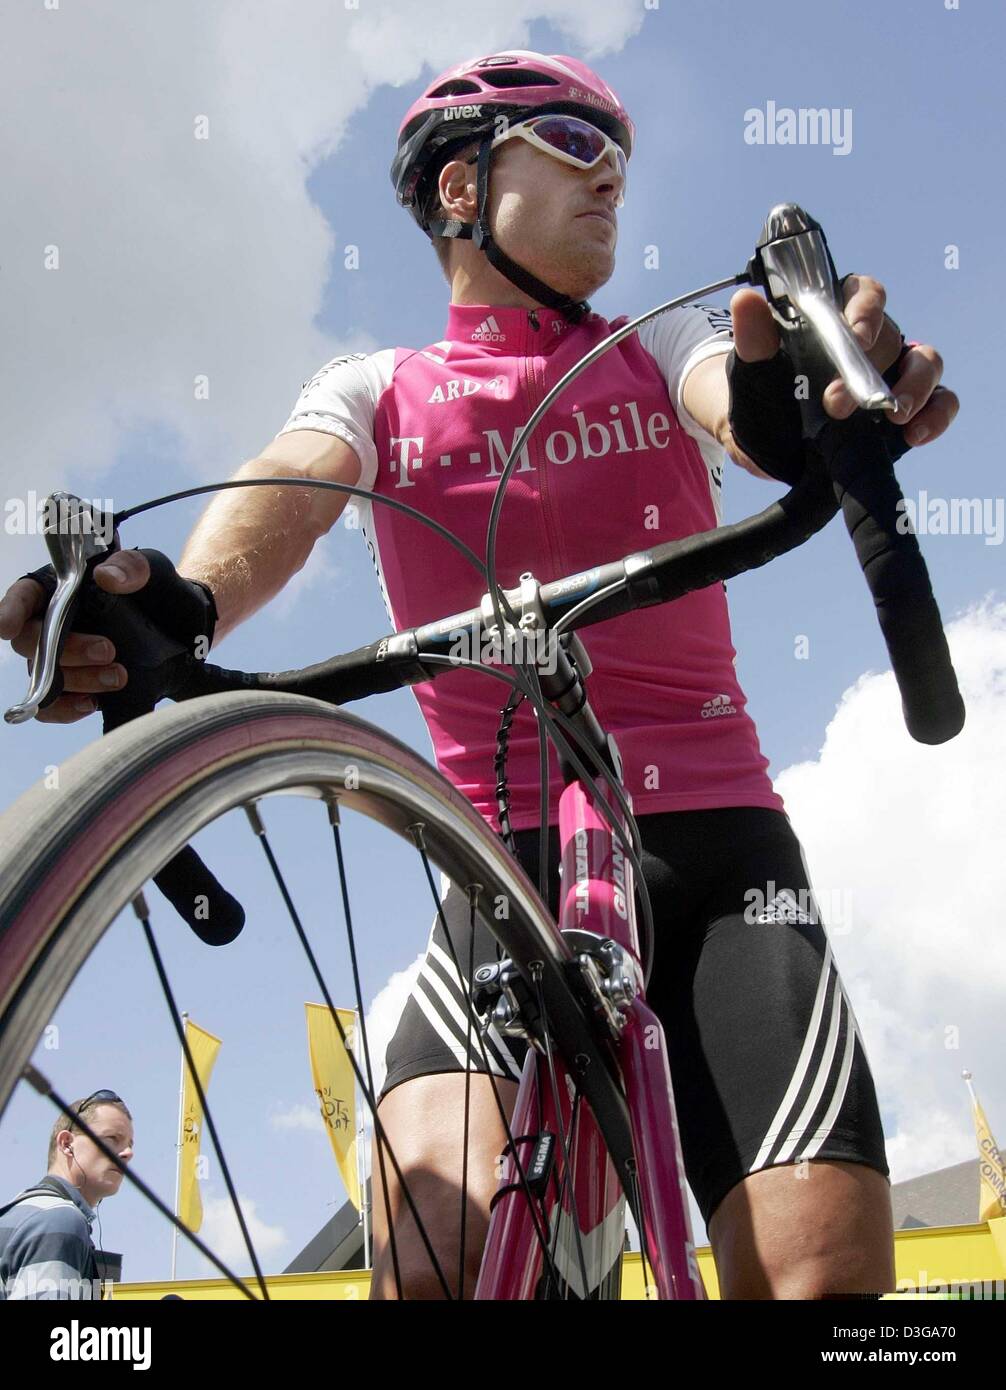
859, 454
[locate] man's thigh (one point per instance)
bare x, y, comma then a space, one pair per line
424, 1122
805, 1231
771, 1080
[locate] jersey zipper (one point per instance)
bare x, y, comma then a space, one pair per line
536, 393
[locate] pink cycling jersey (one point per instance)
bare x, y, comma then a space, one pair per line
617, 465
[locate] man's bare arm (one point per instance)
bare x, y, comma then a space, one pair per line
706, 397
251, 541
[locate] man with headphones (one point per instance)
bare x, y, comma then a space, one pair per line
46, 1250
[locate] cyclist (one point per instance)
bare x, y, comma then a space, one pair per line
778, 1114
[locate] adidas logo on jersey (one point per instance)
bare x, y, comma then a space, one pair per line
719, 704
489, 331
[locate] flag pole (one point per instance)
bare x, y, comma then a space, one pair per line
361, 1153
178, 1149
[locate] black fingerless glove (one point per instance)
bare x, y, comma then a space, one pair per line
181, 608
764, 413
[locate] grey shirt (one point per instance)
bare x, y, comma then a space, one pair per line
46, 1250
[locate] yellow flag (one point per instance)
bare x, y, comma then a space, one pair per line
204, 1048
335, 1087
992, 1193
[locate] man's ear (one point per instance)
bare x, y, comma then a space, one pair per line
457, 189
64, 1141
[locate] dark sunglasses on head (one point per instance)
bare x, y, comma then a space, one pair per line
97, 1098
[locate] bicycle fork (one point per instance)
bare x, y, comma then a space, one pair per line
557, 1223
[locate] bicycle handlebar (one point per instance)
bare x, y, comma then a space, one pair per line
794, 266
640, 580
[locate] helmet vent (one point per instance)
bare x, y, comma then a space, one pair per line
458, 86
518, 77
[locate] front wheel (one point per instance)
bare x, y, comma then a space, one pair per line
78, 850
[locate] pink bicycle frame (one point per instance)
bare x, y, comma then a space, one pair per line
596, 896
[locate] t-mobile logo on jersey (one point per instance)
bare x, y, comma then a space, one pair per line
626, 434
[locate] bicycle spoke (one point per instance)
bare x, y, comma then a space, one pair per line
366, 1087
568, 1187
143, 913
40, 1083
540, 1232
333, 818
536, 980
473, 895
636, 1204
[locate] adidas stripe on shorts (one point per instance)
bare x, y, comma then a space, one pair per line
767, 1060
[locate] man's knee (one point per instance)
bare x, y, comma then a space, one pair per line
422, 1121
805, 1231
407, 1266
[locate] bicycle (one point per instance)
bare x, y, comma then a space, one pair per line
595, 1107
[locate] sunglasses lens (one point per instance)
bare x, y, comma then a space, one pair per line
575, 138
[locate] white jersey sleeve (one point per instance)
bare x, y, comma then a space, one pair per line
678, 341
341, 398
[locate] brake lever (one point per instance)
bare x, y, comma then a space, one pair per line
79, 537
75, 536
793, 265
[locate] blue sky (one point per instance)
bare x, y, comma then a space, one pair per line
227, 257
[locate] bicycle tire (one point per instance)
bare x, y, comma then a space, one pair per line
72, 859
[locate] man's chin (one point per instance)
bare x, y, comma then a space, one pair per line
592, 272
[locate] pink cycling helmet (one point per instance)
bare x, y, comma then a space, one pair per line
462, 104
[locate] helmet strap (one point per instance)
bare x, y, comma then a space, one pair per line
573, 310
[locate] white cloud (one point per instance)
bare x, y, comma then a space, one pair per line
222, 1234
383, 1016
181, 256
910, 838
298, 1117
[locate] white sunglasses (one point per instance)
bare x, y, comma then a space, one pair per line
568, 138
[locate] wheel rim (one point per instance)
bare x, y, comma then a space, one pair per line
382, 792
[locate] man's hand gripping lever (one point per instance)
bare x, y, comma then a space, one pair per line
778, 419
159, 634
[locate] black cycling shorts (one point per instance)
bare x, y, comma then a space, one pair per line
767, 1061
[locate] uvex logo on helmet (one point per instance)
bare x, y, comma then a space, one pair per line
457, 113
